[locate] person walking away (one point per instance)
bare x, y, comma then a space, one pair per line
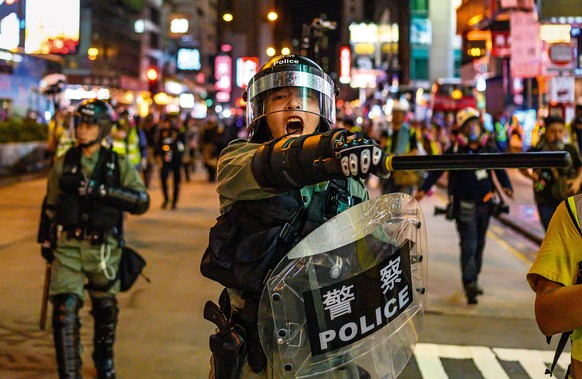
171, 149
553, 185
471, 192
80, 233
272, 179
402, 141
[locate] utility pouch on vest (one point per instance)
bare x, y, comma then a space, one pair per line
249, 240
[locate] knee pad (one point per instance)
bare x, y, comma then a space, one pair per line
65, 309
105, 309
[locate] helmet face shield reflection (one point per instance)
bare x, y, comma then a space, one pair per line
306, 88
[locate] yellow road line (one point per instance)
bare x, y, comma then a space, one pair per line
510, 248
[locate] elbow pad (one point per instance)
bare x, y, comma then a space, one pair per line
125, 199
292, 163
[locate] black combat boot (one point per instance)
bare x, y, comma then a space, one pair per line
104, 312
66, 326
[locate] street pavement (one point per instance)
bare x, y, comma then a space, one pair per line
161, 331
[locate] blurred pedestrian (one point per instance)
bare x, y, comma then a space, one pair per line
126, 139
209, 141
81, 235
500, 133
516, 135
401, 141
56, 128
151, 130
191, 139
171, 150
471, 192
66, 139
553, 185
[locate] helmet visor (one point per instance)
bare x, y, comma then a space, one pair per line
313, 94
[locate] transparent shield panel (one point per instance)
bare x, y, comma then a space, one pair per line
348, 300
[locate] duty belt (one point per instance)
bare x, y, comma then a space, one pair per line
93, 235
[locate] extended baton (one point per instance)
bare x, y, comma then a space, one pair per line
478, 161
45, 293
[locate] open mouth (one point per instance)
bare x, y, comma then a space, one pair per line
294, 125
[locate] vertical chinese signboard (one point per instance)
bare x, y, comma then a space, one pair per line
223, 76
525, 45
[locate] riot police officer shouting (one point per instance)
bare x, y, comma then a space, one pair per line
88, 190
294, 172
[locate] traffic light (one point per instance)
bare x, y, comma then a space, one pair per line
152, 75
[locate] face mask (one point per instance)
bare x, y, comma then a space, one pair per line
472, 132
556, 145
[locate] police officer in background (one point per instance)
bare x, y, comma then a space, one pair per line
472, 192
88, 190
278, 177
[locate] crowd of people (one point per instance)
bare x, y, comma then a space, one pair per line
172, 145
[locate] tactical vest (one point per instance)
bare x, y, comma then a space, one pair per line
76, 210
252, 237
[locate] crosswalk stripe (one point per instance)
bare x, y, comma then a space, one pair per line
532, 361
428, 361
428, 358
487, 363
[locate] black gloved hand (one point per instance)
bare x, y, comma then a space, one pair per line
47, 253
360, 157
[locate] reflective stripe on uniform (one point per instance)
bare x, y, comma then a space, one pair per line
129, 148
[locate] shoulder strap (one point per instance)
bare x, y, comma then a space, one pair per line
72, 162
112, 175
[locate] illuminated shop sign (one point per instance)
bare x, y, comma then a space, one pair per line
52, 29
223, 74
345, 65
246, 68
11, 15
188, 59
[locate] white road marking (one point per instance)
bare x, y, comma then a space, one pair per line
534, 362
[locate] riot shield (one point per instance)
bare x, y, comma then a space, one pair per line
348, 300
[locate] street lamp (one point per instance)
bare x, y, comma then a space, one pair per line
272, 16
285, 51
92, 53
227, 16
270, 51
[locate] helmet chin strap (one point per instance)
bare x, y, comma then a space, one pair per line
89, 144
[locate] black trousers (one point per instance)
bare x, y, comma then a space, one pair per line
175, 169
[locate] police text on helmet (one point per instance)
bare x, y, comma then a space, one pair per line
286, 61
